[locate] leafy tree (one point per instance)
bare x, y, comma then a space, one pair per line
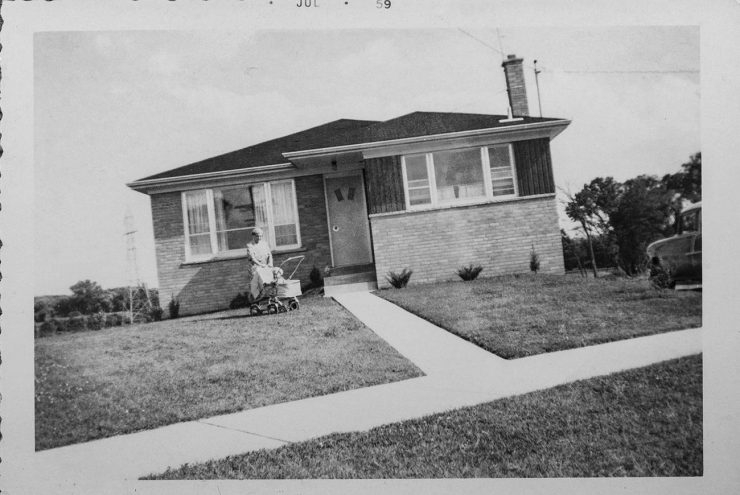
687, 182
63, 306
88, 297
641, 215
591, 207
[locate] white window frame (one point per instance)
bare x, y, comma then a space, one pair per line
487, 181
487, 173
215, 253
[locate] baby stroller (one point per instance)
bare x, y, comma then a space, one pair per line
280, 295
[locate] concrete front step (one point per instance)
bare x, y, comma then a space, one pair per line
350, 278
334, 290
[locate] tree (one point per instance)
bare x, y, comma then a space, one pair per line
591, 207
686, 183
642, 216
88, 297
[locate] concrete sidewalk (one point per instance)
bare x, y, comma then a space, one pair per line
458, 374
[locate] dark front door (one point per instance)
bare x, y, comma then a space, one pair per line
348, 224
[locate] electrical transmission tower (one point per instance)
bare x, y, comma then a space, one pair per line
137, 305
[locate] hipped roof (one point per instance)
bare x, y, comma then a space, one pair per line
345, 132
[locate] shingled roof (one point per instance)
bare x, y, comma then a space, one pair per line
345, 132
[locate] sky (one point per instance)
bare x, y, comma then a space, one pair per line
113, 107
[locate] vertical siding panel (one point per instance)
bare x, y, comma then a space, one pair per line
540, 172
384, 184
534, 167
548, 166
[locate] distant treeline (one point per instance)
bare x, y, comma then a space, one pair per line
89, 298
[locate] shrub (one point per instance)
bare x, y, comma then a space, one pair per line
74, 314
239, 301
60, 324
469, 272
155, 313
48, 328
661, 277
174, 307
534, 261
40, 316
317, 279
399, 280
96, 321
113, 320
76, 323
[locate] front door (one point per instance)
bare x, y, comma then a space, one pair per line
348, 224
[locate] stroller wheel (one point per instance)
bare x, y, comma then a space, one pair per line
254, 310
272, 309
293, 305
282, 309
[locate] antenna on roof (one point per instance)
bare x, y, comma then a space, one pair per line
537, 83
500, 48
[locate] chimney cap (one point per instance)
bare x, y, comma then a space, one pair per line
511, 59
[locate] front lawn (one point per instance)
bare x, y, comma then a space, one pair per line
644, 422
517, 316
119, 380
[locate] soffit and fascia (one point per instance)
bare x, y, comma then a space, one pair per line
349, 157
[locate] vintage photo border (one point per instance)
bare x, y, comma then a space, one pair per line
720, 81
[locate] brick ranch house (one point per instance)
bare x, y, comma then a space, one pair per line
429, 191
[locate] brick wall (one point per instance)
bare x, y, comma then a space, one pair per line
514, 72
497, 236
210, 286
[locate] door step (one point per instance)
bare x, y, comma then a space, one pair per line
341, 282
333, 290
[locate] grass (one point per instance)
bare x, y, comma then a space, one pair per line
120, 380
644, 422
520, 316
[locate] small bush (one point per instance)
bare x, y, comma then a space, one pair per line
74, 314
469, 272
76, 323
399, 280
317, 279
174, 308
40, 316
661, 277
155, 313
113, 320
60, 324
239, 301
48, 328
534, 261
96, 321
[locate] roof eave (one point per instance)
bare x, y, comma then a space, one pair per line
147, 185
557, 127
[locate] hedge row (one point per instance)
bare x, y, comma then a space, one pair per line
80, 323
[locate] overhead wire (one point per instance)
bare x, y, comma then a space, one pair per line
544, 68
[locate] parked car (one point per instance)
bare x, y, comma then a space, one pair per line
680, 255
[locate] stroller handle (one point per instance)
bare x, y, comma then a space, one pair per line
299, 257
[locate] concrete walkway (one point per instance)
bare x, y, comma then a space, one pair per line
458, 374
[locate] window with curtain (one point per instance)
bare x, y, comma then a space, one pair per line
221, 220
198, 228
285, 223
458, 176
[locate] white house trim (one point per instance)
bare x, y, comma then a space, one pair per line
556, 126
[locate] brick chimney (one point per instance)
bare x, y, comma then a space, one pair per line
514, 72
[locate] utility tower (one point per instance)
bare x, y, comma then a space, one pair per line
136, 304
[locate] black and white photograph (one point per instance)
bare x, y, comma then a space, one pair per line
335, 247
